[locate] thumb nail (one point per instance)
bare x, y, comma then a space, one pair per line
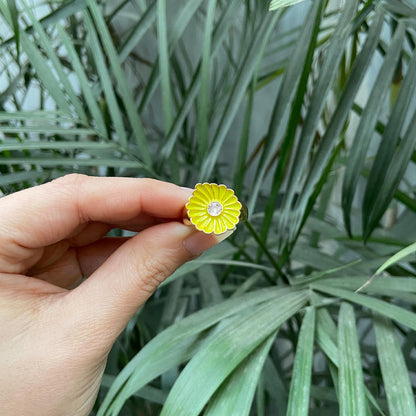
198, 242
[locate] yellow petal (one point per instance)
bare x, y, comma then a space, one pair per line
232, 212
201, 195
209, 228
217, 226
231, 218
224, 226
201, 223
195, 204
222, 189
211, 188
216, 191
205, 188
196, 214
233, 204
227, 222
200, 199
228, 194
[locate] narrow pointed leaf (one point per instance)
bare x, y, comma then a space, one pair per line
38, 115
224, 351
124, 88
302, 368
211, 292
326, 335
64, 145
241, 161
389, 140
164, 64
397, 313
87, 90
277, 4
182, 19
46, 45
382, 284
235, 396
365, 130
44, 73
72, 162
292, 90
138, 31
65, 10
400, 397
203, 101
399, 7
327, 74
14, 14
394, 175
219, 34
399, 256
332, 132
350, 375
242, 79
106, 83
18, 177
45, 129
175, 345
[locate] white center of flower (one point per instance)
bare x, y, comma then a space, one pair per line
214, 208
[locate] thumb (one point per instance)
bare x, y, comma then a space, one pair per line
107, 300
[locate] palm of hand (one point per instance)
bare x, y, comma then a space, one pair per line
38, 286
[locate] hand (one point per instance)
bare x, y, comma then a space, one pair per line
55, 334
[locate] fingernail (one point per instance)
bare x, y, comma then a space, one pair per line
223, 236
187, 189
198, 242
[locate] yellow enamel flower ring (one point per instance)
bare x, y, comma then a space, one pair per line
213, 208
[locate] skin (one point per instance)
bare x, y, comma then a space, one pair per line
55, 332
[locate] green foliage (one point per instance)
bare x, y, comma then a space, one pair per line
310, 112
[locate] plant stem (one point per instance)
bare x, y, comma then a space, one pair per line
267, 252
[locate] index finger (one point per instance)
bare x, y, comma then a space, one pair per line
48, 213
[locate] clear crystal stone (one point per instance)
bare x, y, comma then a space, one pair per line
214, 208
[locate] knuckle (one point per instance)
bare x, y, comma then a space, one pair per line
153, 271
71, 179
72, 186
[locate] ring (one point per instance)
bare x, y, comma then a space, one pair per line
213, 209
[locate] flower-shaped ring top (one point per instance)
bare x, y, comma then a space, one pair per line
213, 208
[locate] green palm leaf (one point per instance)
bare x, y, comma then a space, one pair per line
235, 395
333, 131
297, 72
400, 397
175, 345
288, 219
350, 382
302, 369
277, 4
397, 313
247, 67
224, 351
368, 119
121, 80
